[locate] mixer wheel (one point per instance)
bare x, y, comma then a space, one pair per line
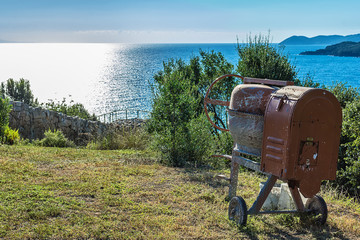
317, 210
238, 211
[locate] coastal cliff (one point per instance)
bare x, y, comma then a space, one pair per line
344, 49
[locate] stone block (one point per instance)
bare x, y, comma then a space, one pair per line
280, 198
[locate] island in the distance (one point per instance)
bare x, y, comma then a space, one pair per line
320, 40
344, 49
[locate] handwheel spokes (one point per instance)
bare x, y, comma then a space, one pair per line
217, 102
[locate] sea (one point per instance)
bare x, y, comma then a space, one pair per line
109, 77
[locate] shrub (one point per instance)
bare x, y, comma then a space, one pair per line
11, 136
5, 108
181, 132
71, 109
259, 58
55, 139
345, 94
348, 175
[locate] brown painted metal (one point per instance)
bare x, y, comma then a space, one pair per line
294, 190
267, 82
301, 137
207, 100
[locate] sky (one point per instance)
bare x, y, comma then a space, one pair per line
173, 21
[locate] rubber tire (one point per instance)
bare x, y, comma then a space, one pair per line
318, 209
238, 211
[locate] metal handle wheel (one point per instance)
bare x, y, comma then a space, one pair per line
207, 100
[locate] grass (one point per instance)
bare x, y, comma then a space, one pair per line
53, 193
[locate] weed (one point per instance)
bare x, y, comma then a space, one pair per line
54, 139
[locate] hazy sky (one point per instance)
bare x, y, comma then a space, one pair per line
177, 21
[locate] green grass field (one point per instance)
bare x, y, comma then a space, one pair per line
53, 193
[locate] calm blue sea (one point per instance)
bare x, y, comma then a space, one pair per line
108, 77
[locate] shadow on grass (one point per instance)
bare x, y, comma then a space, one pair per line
203, 175
296, 231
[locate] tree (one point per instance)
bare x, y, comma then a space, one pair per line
18, 91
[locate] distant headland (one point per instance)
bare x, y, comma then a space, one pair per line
5, 41
344, 49
320, 40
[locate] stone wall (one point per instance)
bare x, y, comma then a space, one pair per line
33, 122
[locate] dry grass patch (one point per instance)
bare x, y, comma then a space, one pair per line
50, 193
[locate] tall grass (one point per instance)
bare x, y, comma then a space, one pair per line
136, 138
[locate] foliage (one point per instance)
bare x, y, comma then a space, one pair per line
173, 107
136, 138
344, 94
71, 109
7, 135
11, 136
259, 58
18, 91
177, 120
5, 108
55, 139
215, 65
349, 156
348, 174
308, 81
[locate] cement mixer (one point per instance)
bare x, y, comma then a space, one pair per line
295, 131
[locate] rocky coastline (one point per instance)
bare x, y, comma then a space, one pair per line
344, 49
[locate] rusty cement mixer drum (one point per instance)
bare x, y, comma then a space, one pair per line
246, 116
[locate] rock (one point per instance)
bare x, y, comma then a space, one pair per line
83, 139
344, 49
280, 198
271, 203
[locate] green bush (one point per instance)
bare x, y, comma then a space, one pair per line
71, 109
181, 132
5, 109
348, 175
54, 139
11, 136
345, 94
259, 58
